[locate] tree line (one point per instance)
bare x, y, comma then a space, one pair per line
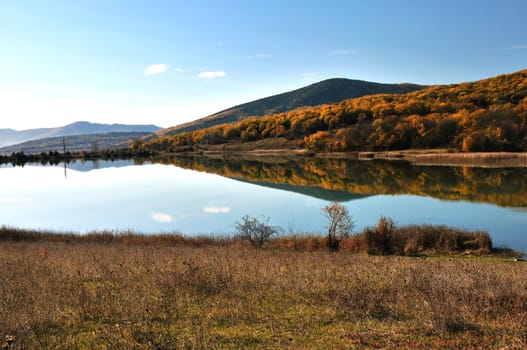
56, 157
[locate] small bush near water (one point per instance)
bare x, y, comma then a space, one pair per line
256, 232
339, 224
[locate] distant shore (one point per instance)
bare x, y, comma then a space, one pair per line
440, 157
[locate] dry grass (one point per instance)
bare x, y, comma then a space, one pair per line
223, 294
445, 157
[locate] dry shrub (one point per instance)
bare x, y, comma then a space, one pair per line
255, 231
380, 239
425, 239
386, 239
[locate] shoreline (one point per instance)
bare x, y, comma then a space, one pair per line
445, 158
434, 157
426, 240
438, 157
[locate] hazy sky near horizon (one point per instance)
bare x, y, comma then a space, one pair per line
168, 62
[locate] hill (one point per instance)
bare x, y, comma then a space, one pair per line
486, 115
11, 137
327, 91
76, 143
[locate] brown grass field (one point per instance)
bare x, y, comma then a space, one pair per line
106, 291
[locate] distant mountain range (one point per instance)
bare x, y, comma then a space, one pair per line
76, 143
326, 91
11, 137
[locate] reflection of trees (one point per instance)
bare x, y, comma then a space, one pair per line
500, 186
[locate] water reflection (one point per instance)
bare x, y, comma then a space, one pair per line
347, 179
207, 195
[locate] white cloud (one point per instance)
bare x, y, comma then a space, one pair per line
216, 210
262, 55
518, 47
162, 218
212, 75
342, 52
154, 69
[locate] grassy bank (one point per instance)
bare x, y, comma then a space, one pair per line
383, 239
171, 292
446, 158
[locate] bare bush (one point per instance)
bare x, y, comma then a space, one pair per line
255, 231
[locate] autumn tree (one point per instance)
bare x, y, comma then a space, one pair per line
339, 224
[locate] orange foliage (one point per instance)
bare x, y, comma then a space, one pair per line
488, 115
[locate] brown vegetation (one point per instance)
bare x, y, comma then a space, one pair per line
157, 293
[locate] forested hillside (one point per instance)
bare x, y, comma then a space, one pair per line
487, 115
326, 91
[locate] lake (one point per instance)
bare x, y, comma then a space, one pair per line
196, 195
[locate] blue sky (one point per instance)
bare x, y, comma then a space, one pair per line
168, 62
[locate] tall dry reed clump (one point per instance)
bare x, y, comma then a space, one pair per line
229, 295
386, 239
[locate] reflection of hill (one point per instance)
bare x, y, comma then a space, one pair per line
500, 186
86, 165
90, 165
317, 192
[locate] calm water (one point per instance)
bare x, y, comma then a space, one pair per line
202, 196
